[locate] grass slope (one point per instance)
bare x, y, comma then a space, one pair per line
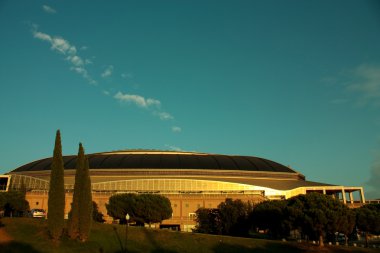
30, 235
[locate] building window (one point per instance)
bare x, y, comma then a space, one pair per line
199, 206
187, 205
175, 205
37, 203
192, 216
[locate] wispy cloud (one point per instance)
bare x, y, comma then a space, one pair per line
79, 64
151, 104
48, 9
137, 100
64, 47
82, 71
75, 60
42, 36
366, 85
163, 115
107, 72
176, 129
174, 148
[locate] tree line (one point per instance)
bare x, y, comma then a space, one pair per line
313, 216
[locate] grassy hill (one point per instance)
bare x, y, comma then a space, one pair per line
30, 235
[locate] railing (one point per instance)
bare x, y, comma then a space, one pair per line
252, 192
373, 201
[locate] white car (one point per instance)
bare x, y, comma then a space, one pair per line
37, 213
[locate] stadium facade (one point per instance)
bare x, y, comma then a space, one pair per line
190, 180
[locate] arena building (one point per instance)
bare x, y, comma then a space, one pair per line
190, 180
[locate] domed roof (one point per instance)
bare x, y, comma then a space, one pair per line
140, 159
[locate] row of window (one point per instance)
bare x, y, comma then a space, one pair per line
187, 205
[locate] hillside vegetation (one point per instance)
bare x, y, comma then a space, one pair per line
30, 235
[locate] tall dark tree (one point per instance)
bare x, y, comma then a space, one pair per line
56, 201
85, 200
73, 223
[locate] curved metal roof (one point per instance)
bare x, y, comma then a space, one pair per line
164, 160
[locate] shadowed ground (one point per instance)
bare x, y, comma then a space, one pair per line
30, 235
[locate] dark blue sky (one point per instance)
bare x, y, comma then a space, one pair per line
297, 82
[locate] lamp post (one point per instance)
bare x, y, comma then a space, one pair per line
126, 231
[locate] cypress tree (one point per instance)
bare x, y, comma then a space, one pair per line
73, 223
85, 200
56, 201
79, 224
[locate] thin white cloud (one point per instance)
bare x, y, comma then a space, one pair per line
76, 60
174, 148
151, 104
176, 129
366, 85
64, 47
84, 48
57, 43
79, 70
164, 115
107, 72
78, 65
83, 72
48, 9
137, 100
151, 101
42, 36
